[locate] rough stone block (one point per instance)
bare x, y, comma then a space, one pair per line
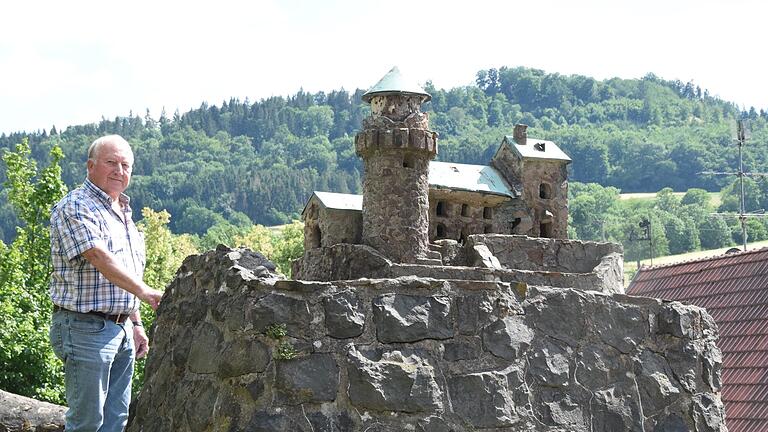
549, 364
407, 318
276, 308
205, 353
508, 338
311, 379
473, 311
616, 408
463, 350
483, 399
243, 356
393, 382
344, 316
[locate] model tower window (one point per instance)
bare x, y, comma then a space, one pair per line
487, 212
408, 161
545, 191
464, 210
545, 230
440, 209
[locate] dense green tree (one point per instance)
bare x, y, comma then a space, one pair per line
714, 233
698, 197
29, 366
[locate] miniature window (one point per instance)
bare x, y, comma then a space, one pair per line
487, 212
545, 191
408, 161
488, 229
516, 223
440, 209
440, 231
545, 230
316, 237
464, 235
464, 210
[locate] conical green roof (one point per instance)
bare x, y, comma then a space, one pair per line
394, 82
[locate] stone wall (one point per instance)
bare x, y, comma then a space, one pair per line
235, 348
533, 253
587, 266
333, 226
463, 213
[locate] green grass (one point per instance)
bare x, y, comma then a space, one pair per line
714, 197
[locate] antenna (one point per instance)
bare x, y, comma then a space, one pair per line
742, 135
645, 224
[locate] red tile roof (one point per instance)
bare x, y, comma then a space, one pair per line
734, 289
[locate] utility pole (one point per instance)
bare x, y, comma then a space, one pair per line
645, 224
742, 135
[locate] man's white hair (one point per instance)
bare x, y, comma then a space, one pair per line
93, 149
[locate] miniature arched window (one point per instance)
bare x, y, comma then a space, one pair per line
440, 209
440, 231
545, 191
487, 212
465, 210
408, 161
545, 229
516, 222
316, 237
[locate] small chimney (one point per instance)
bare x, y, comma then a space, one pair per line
520, 135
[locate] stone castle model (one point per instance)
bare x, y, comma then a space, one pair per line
436, 303
523, 191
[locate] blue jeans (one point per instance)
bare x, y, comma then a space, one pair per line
98, 357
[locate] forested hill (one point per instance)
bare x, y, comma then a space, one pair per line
244, 162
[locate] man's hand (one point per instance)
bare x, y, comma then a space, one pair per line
150, 296
140, 341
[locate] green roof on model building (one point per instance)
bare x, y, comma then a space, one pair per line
393, 83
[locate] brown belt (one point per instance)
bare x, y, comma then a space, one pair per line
118, 318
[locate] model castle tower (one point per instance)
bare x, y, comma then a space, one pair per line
396, 146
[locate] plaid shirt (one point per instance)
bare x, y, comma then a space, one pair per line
82, 220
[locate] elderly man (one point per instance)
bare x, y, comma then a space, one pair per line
96, 287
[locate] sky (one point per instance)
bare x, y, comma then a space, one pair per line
74, 62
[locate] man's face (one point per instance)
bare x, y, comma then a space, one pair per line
111, 168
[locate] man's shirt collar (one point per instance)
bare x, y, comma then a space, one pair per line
103, 196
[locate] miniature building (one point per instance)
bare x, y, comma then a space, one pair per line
396, 146
409, 201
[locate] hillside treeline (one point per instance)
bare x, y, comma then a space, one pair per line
245, 162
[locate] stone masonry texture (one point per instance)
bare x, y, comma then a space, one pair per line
238, 348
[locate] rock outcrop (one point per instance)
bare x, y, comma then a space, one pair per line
237, 348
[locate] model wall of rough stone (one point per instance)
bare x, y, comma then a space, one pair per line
586, 266
459, 214
396, 146
550, 212
545, 189
421, 355
326, 227
530, 253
